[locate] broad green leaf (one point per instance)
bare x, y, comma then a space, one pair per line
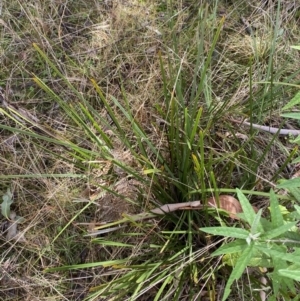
227, 231
297, 208
293, 102
280, 255
293, 186
267, 225
296, 47
297, 160
285, 284
296, 141
277, 281
238, 270
291, 239
5, 205
292, 115
257, 260
295, 192
295, 275
256, 222
248, 210
292, 216
294, 189
278, 231
232, 247
276, 215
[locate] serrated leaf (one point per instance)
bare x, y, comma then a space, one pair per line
277, 282
285, 284
232, 247
5, 205
267, 225
280, 255
292, 115
276, 215
256, 222
227, 231
297, 208
238, 270
292, 183
295, 192
295, 275
248, 210
278, 231
293, 102
257, 260
291, 239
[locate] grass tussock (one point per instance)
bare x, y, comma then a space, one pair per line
109, 109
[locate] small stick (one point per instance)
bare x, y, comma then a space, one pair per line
269, 129
177, 206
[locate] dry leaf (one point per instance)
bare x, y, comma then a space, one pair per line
227, 203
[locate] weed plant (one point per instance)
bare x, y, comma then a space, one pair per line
132, 154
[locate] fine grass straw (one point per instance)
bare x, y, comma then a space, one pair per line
188, 162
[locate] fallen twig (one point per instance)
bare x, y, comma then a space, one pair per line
224, 202
270, 129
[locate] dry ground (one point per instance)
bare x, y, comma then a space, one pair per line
117, 43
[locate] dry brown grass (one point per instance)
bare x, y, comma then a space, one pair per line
116, 43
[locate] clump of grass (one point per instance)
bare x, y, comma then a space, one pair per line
150, 128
